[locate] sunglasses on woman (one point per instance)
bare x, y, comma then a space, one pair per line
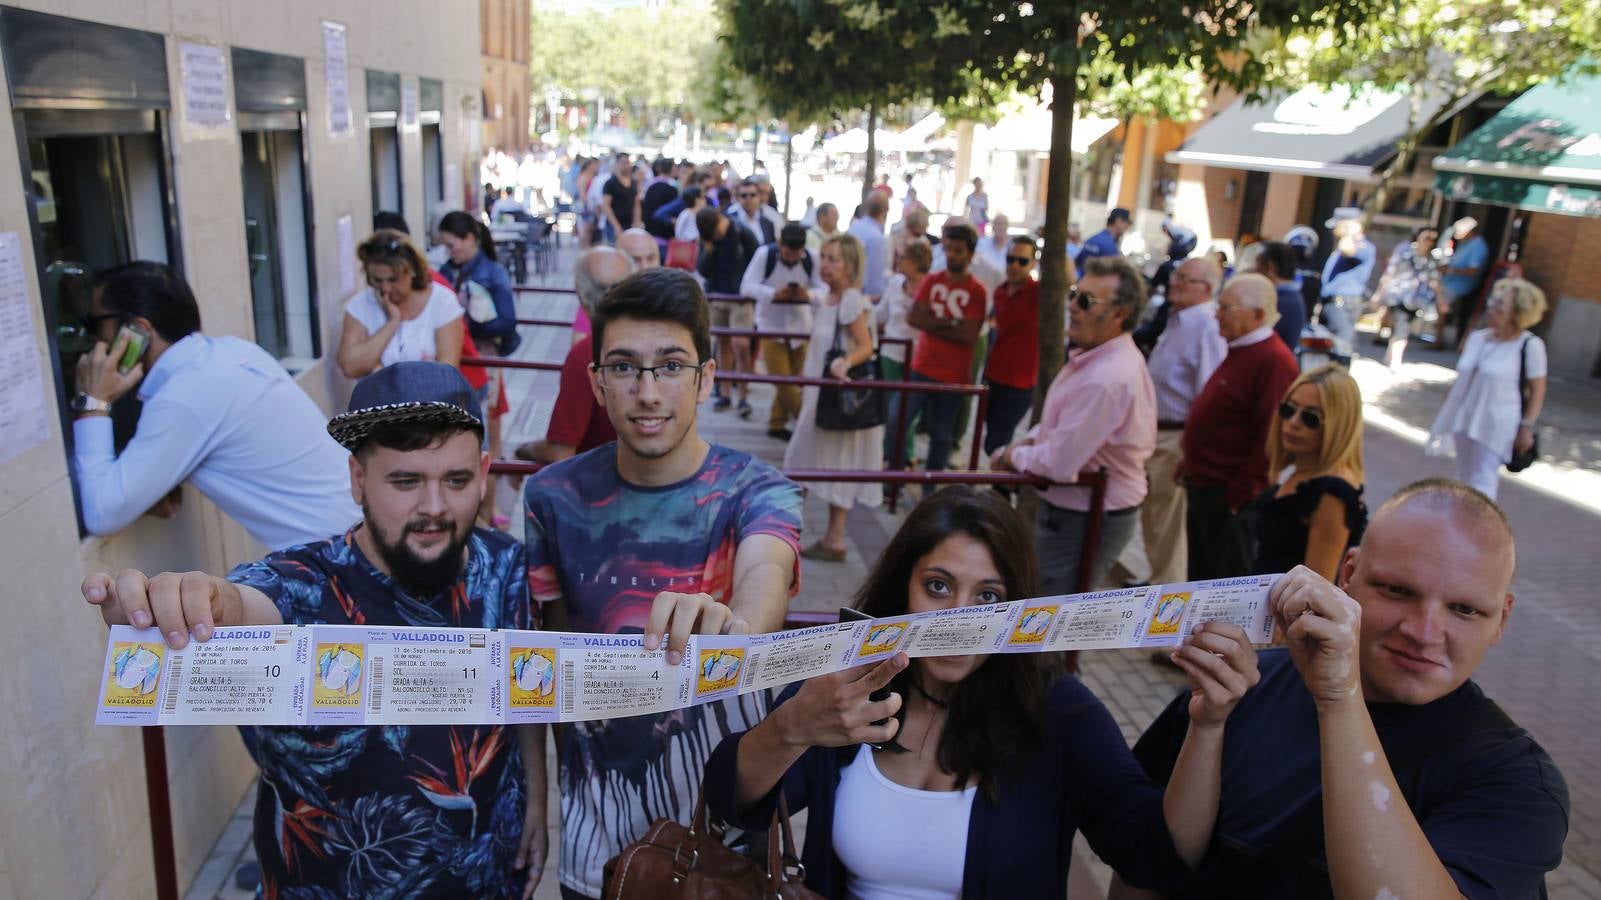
1311, 418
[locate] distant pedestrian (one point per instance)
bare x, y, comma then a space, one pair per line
1107, 241
1494, 406
1410, 285
1346, 274
977, 208
844, 321
1463, 273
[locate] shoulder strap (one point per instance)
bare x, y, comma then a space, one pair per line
806, 263
1523, 373
772, 263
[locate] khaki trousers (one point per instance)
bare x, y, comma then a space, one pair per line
782, 359
1162, 513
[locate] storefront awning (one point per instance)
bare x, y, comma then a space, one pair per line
1323, 132
1542, 152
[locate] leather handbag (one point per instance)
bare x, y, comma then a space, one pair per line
1521, 461
672, 862
847, 408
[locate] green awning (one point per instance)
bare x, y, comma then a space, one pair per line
1542, 152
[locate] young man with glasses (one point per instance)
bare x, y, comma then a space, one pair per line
1014, 360
663, 534
218, 411
1100, 413
1224, 447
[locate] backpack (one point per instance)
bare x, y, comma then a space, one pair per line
772, 263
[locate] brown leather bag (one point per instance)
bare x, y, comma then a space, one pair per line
672, 862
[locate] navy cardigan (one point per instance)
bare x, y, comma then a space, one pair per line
1084, 779
492, 275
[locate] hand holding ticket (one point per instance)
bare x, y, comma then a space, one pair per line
178, 604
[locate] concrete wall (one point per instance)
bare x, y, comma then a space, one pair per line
72, 806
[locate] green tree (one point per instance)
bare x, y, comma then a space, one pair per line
813, 60
1442, 53
983, 48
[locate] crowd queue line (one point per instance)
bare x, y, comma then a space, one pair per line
1387, 769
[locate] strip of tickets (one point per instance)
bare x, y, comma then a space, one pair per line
317, 675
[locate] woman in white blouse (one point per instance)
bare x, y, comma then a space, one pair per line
1485, 418
403, 315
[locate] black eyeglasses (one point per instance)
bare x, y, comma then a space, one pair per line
746, 194
627, 375
1311, 418
1019, 261
91, 323
1082, 299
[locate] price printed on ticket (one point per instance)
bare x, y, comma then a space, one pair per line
370, 675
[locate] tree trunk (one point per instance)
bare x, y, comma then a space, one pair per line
1054, 275
872, 151
755, 146
789, 166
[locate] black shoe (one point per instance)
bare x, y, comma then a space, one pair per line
781, 434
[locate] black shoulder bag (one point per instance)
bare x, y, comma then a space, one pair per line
847, 408
1521, 461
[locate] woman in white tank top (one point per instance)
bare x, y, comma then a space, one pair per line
981, 772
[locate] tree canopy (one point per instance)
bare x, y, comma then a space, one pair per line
649, 57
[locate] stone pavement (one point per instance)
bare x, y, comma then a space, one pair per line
1540, 672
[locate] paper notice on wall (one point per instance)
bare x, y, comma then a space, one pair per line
408, 104
204, 71
24, 413
452, 187
347, 256
336, 72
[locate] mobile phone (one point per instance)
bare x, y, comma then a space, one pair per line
794, 286
138, 340
847, 614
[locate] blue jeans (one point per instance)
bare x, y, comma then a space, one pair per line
942, 410
1008, 406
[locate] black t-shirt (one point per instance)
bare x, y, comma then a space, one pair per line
656, 196
622, 200
1491, 802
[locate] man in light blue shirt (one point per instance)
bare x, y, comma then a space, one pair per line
1461, 276
218, 411
1346, 274
869, 229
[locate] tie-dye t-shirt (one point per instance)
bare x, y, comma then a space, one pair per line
396, 810
606, 548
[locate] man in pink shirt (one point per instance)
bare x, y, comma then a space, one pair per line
1100, 414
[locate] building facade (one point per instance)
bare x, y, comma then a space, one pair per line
248, 144
504, 33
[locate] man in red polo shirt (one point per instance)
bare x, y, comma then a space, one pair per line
949, 311
1225, 435
1014, 359
578, 423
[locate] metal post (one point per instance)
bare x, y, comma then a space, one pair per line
898, 443
159, 805
978, 427
1092, 532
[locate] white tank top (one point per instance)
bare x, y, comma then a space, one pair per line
899, 843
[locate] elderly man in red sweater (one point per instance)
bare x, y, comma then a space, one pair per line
1225, 437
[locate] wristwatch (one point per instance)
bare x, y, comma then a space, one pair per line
83, 404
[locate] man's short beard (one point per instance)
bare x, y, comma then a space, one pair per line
418, 577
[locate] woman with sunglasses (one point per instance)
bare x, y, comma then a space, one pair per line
1313, 510
973, 774
403, 315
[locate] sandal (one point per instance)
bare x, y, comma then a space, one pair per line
819, 552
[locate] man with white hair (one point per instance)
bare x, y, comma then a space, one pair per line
992, 250
577, 422
1224, 449
641, 248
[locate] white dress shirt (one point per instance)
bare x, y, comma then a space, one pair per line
1186, 354
772, 316
1255, 336
222, 413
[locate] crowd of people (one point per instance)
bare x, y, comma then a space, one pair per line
1374, 766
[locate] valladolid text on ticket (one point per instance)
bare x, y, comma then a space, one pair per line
366, 675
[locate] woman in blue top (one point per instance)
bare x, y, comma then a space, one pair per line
979, 776
475, 274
